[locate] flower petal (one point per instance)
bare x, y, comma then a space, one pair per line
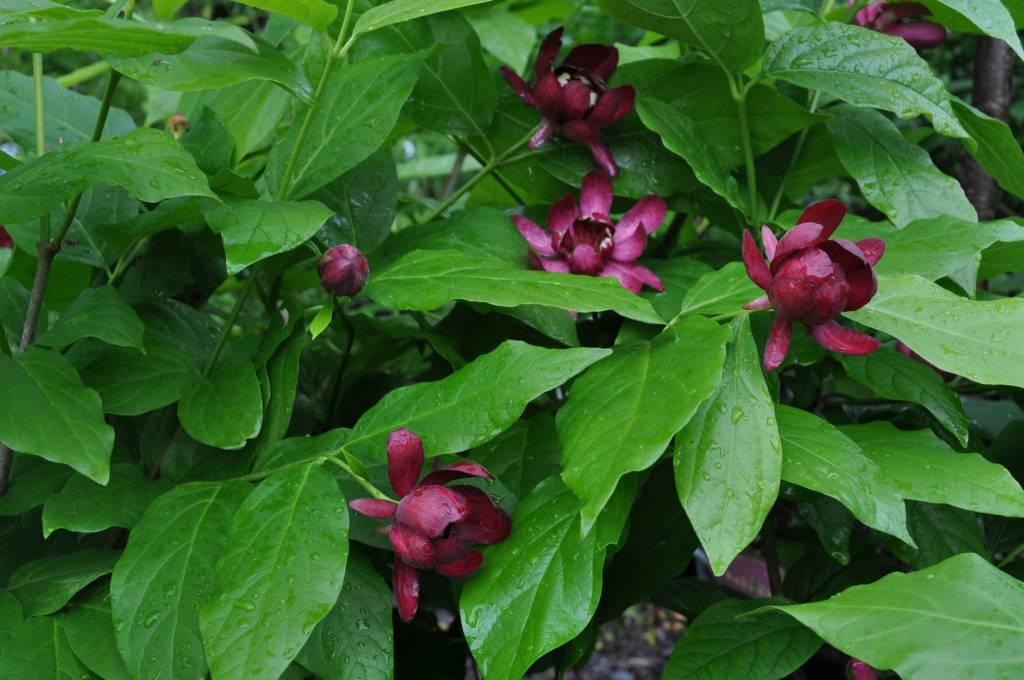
612, 106
777, 347
575, 100
582, 131
406, 583
518, 84
539, 240
836, 338
873, 249
922, 34
844, 253
630, 248
758, 303
647, 277
863, 286
562, 214
460, 470
603, 157
769, 242
429, 510
448, 550
547, 93
405, 460
800, 237
757, 270
648, 212
470, 561
544, 131
373, 507
549, 49
486, 523
828, 213
624, 273
595, 195
594, 59
554, 266
414, 548
585, 260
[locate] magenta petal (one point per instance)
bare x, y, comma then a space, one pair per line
585, 260
406, 583
828, 213
486, 523
547, 93
612, 106
414, 548
448, 550
553, 266
460, 470
757, 270
575, 100
595, 59
868, 15
372, 507
628, 249
543, 134
539, 240
836, 338
844, 253
922, 35
595, 195
861, 671
863, 286
777, 347
562, 214
470, 561
800, 237
604, 159
624, 273
648, 212
873, 249
758, 303
769, 241
518, 84
582, 131
429, 510
405, 460
549, 48
647, 277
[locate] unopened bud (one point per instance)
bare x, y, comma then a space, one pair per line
343, 270
177, 125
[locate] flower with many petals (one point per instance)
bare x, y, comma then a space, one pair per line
583, 239
892, 19
433, 525
812, 279
574, 97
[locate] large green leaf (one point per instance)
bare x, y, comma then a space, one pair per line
731, 32
479, 233
397, 11
32, 481
892, 375
48, 583
280, 573
15, 10
354, 641
166, 573
359, 107
817, 456
524, 455
474, 404
38, 650
863, 67
994, 146
940, 531
365, 199
425, 280
990, 17
254, 230
720, 292
97, 313
317, 13
962, 618
728, 459
49, 413
146, 162
897, 177
722, 643
926, 469
89, 628
282, 375
625, 409
972, 339
250, 111
225, 409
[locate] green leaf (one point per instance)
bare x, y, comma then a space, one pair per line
14, 308
280, 573
892, 375
85, 506
47, 584
354, 641
522, 456
49, 413
926, 469
68, 115
720, 292
897, 177
317, 13
225, 409
722, 643
863, 67
32, 481
608, 427
211, 63
994, 146
38, 650
474, 404
156, 591
730, 32
115, 36
972, 339
817, 456
250, 111
97, 313
283, 377
427, 279
728, 459
359, 107
146, 162
539, 587
365, 199
479, 233
940, 531
506, 35
832, 522
10, 616
255, 230
322, 320
681, 136
89, 628
397, 11
962, 618
983, 16
14, 10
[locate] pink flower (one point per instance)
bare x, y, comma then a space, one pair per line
433, 525
5, 239
861, 671
573, 98
584, 240
812, 279
343, 270
891, 19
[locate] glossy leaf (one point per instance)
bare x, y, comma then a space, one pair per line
364, 199
523, 455
38, 650
34, 479
990, 17
97, 313
283, 377
397, 11
720, 292
225, 409
607, 428
940, 531
994, 146
89, 628
45, 585
280, 573
317, 13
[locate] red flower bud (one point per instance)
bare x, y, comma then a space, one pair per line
892, 19
343, 270
5, 239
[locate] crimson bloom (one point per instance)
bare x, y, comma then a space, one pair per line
861, 671
5, 239
343, 270
433, 525
584, 240
812, 279
574, 97
891, 18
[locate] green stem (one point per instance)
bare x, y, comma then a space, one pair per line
83, 74
37, 81
363, 482
1011, 556
229, 323
739, 93
339, 50
333, 457
812, 107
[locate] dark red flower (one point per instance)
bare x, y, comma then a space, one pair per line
433, 525
5, 239
343, 270
861, 671
892, 19
813, 279
574, 97
584, 240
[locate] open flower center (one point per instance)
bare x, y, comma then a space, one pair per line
587, 244
568, 73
